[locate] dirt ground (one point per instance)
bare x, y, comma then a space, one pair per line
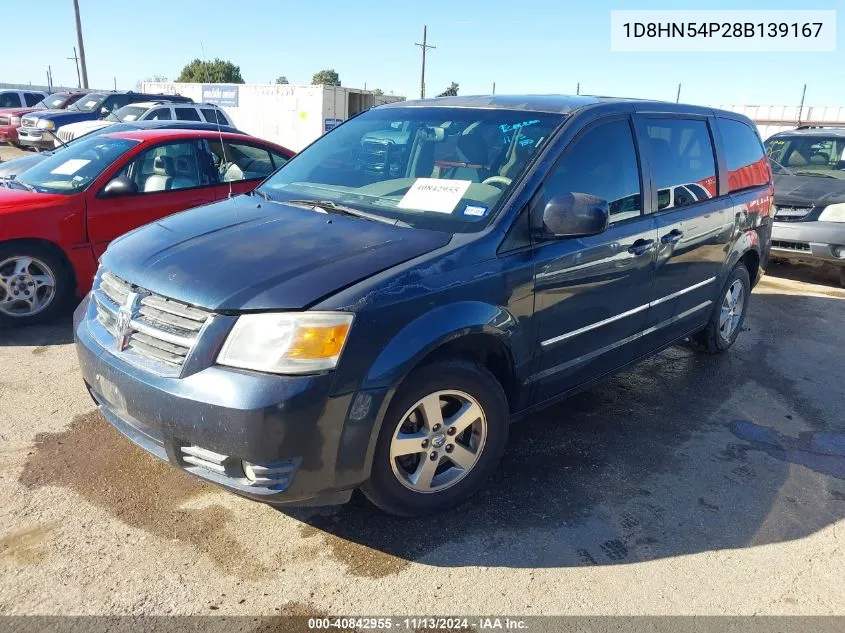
688, 484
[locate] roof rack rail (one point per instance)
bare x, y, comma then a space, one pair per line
814, 126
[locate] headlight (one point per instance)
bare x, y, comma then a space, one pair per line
286, 342
15, 120
44, 124
833, 213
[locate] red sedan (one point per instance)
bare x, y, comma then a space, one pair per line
58, 217
10, 118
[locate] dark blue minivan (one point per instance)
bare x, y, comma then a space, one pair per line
381, 308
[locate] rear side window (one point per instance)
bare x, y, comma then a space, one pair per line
682, 161
187, 114
32, 98
9, 100
159, 114
601, 162
744, 154
237, 161
213, 116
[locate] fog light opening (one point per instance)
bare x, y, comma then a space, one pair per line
249, 472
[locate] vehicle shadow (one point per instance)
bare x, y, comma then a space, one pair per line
58, 331
826, 275
684, 453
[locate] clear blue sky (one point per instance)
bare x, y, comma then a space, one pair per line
534, 46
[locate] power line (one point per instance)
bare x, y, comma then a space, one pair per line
424, 46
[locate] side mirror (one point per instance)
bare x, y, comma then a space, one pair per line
572, 215
120, 186
104, 111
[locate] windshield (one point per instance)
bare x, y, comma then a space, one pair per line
822, 156
89, 102
439, 168
52, 102
127, 113
73, 169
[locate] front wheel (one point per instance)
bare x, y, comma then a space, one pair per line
728, 314
34, 284
442, 437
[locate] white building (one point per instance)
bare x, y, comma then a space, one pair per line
291, 115
772, 119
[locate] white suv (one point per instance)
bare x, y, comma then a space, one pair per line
147, 111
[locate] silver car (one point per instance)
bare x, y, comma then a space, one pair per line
809, 168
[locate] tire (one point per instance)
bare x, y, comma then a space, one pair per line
43, 266
842, 276
713, 339
457, 386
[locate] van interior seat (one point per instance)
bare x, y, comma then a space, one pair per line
472, 150
162, 176
185, 172
819, 158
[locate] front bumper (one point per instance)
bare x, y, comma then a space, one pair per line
35, 137
307, 446
8, 134
810, 242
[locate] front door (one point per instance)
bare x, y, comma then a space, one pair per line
592, 293
171, 176
694, 224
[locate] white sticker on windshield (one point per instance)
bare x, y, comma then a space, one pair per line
70, 167
90, 104
433, 194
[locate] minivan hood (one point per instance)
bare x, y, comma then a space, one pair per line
808, 191
247, 254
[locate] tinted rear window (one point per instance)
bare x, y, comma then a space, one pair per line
682, 156
744, 154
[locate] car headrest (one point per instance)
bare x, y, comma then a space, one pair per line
184, 164
163, 166
796, 159
473, 147
819, 158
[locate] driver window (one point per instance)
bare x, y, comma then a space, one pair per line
601, 162
168, 167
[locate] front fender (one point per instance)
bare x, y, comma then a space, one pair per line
436, 328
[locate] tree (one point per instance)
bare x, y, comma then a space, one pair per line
451, 91
159, 78
326, 78
217, 72
282, 80
378, 92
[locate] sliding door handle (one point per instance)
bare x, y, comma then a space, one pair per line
672, 237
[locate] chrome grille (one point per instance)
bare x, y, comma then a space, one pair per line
790, 214
65, 135
161, 330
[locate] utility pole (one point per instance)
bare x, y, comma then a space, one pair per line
424, 46
578, 88
76, 59
49, 79
801, 107
678, 96
494, 87
81, 45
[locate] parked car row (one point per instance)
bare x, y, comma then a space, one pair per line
55, 119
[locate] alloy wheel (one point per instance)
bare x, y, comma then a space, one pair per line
732, 306
27, 286
438, 441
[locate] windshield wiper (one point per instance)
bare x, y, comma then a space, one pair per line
340, 209
11, 183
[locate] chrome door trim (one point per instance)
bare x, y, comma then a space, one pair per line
608, 348
627, 313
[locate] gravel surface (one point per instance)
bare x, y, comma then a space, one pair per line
688, 484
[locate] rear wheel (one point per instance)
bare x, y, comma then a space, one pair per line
442, 437
728, 314
34, 284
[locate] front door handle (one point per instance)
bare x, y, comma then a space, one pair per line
640, 247
672, 237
